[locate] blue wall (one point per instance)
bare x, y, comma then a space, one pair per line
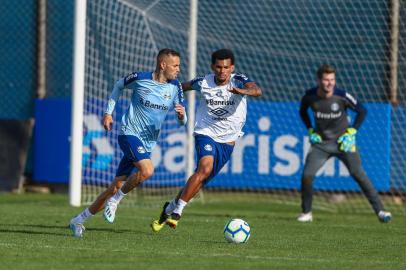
52, 140
275, 145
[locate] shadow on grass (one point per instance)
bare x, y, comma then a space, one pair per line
30, 232
213, 242
18, 228
243, 216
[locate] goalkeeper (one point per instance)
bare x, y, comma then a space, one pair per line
332, 136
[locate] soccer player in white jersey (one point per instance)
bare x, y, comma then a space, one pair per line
154, 94
219, 121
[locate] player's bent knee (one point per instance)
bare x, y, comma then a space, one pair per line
113, 189
146, 173
204, 173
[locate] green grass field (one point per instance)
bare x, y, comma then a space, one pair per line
34, 235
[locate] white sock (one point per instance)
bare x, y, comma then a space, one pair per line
82, 217
118, 196
179, 207
171, 206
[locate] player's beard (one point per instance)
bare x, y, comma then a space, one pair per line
171, 76
222, 79
328, 89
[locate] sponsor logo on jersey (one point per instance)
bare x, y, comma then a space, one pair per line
144, 91
208, 147
131, 76
334, 107
321, 115
219, 111
167, 96
151, 105
220, 102
198, 80
141, 150
245, 78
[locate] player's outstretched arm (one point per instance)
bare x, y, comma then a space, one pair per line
250, 89
186, 86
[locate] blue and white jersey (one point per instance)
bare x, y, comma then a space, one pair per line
150, 103
221, 114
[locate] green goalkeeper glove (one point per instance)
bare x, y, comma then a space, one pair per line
314, 137
347, 140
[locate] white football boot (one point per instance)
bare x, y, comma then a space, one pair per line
384, 216
77, 229
110, 210
305, 217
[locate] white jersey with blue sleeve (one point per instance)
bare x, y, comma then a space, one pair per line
150, 103
221, 114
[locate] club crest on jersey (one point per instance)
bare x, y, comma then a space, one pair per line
208, 147
334, 107
219, 94
141, 150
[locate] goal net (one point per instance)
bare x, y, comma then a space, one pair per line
278, 44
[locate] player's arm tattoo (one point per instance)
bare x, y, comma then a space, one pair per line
252, 89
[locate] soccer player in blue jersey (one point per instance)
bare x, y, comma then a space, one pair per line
154, 94
333, 136
220, 118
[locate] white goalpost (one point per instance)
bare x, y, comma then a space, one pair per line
191, 96
280, 47
75, 181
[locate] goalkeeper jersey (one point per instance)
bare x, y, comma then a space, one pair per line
220, 114
330, 114
150, 103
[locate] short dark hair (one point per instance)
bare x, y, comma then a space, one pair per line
325, 69
222, 54
166, 52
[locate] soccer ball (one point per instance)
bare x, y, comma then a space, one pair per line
237, 231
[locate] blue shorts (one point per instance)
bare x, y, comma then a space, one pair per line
133, 150
221, 152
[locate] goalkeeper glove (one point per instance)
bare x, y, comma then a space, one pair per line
347, 140
314, 137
